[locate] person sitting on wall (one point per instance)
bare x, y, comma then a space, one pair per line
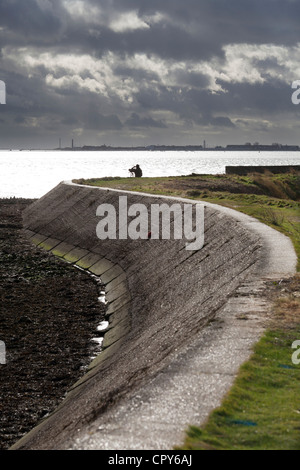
137, 171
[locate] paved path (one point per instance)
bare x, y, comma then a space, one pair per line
181, 323
156, 416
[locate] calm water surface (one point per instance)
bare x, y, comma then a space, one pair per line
33, 173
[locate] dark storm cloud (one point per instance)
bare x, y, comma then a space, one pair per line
177, 30
30, 21
270, 98
154, 60
203, 107
196, 28
70, 121
165, 40
98, 121
215, 23
136, 121
19, 119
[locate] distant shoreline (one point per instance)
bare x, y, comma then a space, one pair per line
165, 148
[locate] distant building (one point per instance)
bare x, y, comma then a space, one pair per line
258, 147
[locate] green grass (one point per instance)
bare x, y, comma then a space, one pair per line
148, 185
262, 409
281, 213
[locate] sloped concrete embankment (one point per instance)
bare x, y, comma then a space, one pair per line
160, 295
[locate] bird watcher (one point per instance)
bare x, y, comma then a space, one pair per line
136, 171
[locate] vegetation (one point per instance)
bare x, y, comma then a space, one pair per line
262, 409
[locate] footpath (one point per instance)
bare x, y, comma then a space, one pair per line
180, 322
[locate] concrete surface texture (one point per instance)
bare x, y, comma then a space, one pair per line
177, 332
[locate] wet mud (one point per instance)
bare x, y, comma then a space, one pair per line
49, 313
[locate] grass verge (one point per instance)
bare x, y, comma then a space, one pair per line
262, 409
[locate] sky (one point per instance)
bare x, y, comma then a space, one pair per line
143, 72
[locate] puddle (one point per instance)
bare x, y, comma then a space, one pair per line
97, 341
102, 297
103, 326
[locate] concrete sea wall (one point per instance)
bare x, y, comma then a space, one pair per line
160, 295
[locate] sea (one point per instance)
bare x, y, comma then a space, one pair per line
31, 174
